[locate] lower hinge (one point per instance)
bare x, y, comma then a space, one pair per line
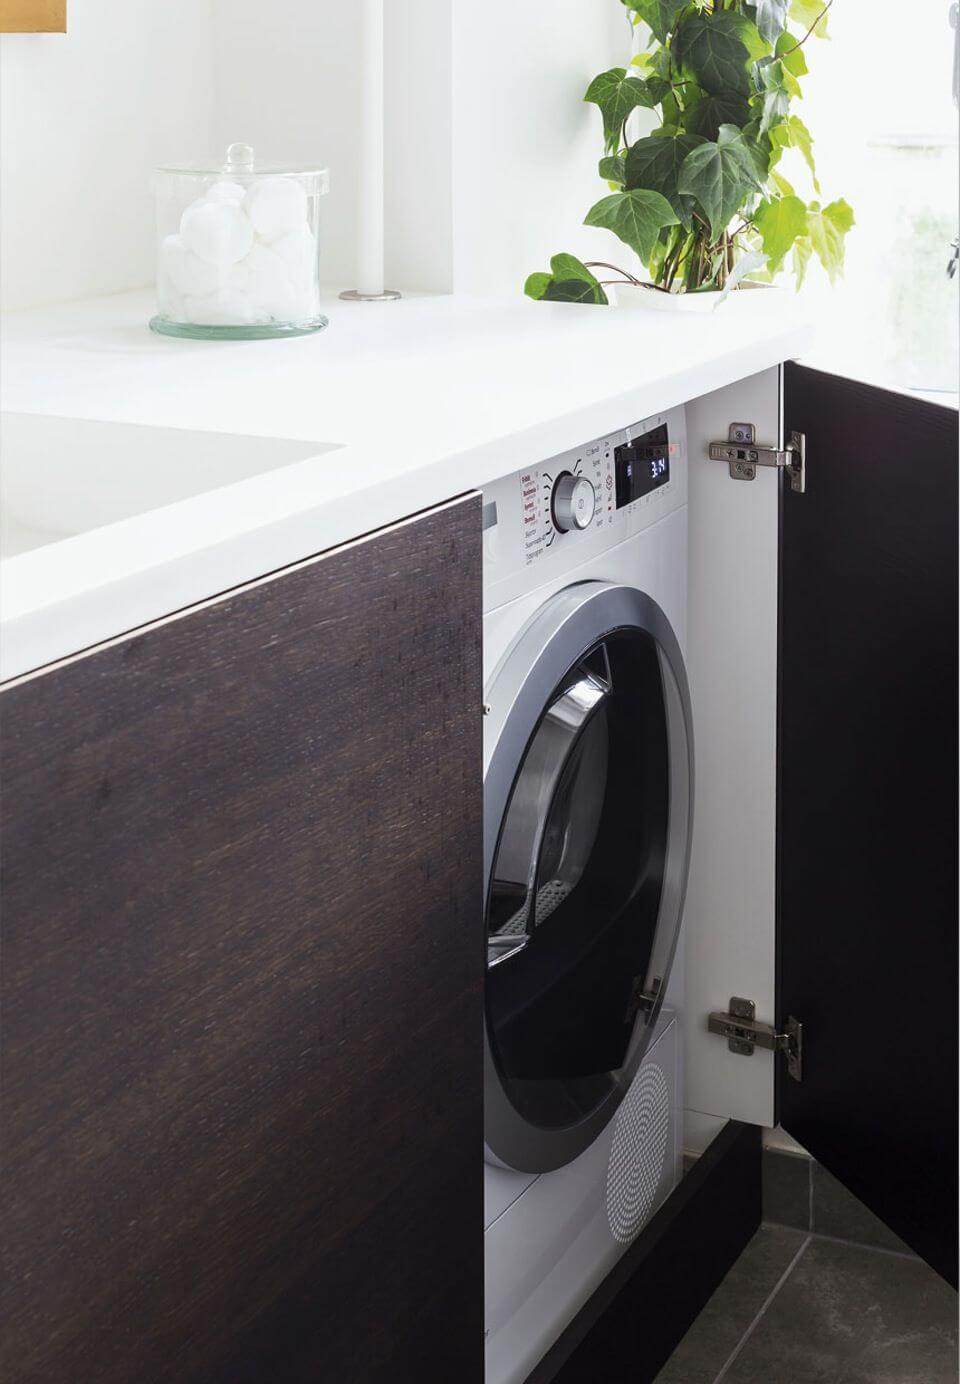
743, 454
745, 1034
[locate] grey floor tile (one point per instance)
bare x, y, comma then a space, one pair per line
837, 1212
848, 1315
786, 1189
715, 1333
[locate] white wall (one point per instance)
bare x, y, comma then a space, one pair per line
418, 95
491, 153
286, 80
526, 145
84, 118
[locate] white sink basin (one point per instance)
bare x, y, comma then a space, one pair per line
66, 476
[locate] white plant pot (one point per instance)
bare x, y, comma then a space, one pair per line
648, 299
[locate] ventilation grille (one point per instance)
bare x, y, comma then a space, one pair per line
640, 1139
549, 898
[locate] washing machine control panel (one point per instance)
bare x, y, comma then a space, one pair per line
568, 495
573, 502
563, 510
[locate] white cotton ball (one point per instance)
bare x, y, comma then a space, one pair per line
218, 232
225, 191
276, 206
298, 250
236, 306
270, 286
239, 277
241, 282
221, 309
184, 271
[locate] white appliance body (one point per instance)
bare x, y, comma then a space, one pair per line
551, 1238
561, 1207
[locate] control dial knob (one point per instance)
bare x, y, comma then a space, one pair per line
574, 502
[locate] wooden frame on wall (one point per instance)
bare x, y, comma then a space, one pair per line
33, 16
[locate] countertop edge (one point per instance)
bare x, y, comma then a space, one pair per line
46, 621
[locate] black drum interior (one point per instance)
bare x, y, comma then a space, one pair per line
574, 898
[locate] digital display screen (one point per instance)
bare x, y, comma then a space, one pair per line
642, 465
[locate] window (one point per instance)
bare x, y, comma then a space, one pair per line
879, 102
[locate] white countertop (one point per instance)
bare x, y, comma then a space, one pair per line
422, 400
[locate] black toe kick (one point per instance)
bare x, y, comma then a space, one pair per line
641, 1311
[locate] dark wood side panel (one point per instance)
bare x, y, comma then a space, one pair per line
642, 1310
242, 985
868, 799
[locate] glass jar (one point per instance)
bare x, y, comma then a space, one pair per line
238, 250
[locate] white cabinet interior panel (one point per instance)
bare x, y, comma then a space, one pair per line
732, 665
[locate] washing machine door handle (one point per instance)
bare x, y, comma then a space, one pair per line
531, 808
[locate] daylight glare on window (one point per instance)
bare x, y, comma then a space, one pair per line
888, 144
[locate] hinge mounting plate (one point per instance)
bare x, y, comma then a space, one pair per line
743, 454
744, 1034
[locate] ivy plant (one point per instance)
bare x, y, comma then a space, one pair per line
702, 200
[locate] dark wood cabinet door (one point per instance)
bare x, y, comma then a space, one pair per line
241, 986
867, 865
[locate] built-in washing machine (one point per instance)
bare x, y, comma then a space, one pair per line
588, 796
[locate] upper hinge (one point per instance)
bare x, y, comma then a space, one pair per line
745, 1034
743, 454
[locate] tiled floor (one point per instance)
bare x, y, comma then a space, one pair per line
802, 1309
805, 1305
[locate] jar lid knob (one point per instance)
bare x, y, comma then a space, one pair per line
239, 159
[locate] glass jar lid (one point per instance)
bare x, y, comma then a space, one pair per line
240, 163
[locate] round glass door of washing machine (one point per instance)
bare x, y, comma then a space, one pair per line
588, 794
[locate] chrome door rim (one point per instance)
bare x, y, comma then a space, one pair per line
563, 630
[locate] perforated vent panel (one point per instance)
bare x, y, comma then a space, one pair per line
640, 1139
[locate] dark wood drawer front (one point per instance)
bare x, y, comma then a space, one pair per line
242, 985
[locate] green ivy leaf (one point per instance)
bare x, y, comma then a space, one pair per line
791, 55
537, 284
760, 147
709, 113
635, 216
771, 18
655, 163
734, 144
617, 94
612, 168
828, 229
716, 175
801, 259
784, 187
810, 13
573, 291
661, 63
711, 48
780, 222
672, 114
657, 89
570, 281
776, 93
792, 133
751, 38
565, 266
659, 15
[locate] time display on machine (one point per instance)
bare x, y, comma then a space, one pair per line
642, 465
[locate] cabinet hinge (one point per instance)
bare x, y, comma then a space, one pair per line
744, 1034
743, 454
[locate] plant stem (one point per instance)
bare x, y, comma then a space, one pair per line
602, 264
802, 41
